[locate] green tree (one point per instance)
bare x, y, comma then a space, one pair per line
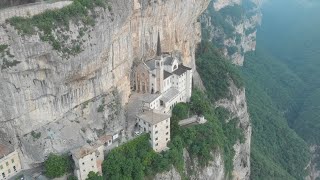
94, 176
72, 177
57, 166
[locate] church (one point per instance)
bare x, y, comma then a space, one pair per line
164, 80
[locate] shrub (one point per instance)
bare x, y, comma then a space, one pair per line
56, 166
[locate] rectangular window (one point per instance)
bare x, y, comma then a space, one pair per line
157, 144
156, 132
155, 126
167, 133
12, 160
167, 127
7, 163
156, 139
166, 139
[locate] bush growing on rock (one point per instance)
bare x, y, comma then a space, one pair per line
57, 166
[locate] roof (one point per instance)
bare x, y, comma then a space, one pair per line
166, 74
181, 69
153, 117
5, 149
168, 61
105, 138
83, 151
151, 64
169, 95
148, 98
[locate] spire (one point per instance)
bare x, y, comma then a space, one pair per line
158, 46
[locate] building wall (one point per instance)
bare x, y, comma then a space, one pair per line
189, 85
159, 133
85, 165
167, 84
142, 79
10, 165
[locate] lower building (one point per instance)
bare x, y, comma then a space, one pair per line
158, 126
88, 158
9, 161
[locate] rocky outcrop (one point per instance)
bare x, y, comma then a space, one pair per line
313, 167
30, 9
219, 4
52, 104
238, 108
234, 34
214, 169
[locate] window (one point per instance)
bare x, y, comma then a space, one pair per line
156, 139
91, 159
83, 163
155, 126
7, 163
166, 139
157, 144
14, 168
3, 175
167, 127
92, 166
1, 167
9, 171
84, 170
167, 133
12, 160
156, 132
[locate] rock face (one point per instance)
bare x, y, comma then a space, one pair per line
215, 169
241, 162
234, 34
238, 107
314, 172
219, 4
53, 104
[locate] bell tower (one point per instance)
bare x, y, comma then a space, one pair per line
159, 65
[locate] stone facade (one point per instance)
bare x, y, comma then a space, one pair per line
9, 162
88, 158
158, 126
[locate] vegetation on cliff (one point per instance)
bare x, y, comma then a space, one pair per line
56, 166
53, 25
136, 159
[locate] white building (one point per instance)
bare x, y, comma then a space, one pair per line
158, 126
164, 80
90, 157
9, 161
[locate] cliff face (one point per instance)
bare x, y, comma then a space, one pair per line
238, 108
231, 25
52, 104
